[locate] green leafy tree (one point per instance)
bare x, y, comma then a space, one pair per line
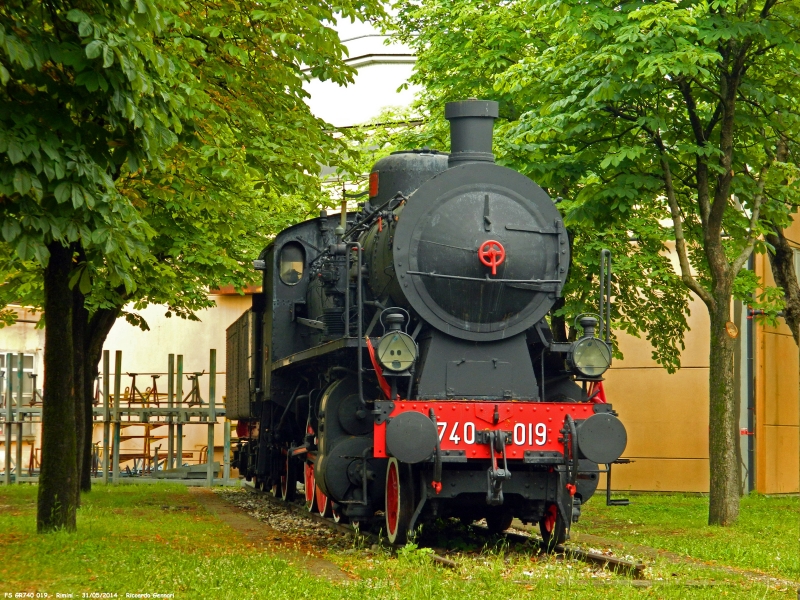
146, 150
462, 48
76, 85
668, 116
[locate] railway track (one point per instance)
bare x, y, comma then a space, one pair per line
613, 563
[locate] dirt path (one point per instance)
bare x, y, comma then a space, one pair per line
266, 537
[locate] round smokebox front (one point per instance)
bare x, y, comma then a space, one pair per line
481, 252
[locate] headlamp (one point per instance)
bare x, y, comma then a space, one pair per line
590, 357
397, 351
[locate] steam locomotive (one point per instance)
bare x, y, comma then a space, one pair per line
399, 362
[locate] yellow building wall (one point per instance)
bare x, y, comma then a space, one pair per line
777, 391
666, 415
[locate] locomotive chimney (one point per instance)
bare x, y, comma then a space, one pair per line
471, 123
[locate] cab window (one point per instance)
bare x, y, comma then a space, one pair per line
292, 263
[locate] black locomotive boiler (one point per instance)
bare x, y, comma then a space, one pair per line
399, 362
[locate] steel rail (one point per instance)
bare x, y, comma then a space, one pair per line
613, 563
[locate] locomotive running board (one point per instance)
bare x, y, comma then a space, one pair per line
315, 352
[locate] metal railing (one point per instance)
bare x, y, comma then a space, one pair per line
124, 408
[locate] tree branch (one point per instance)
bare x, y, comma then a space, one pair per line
782, 263
700, 138
739, 261
677, 224
712, 122
758, 200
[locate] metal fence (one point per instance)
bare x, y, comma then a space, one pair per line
119, 412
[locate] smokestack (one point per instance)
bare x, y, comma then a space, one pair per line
471, 123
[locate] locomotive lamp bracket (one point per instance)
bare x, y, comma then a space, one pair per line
382, 411
547, 341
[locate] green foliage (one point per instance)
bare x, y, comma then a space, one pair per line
625, 97
463, 49
82, 91
601, 101
414, 556
771, 300
167, 140
7, 317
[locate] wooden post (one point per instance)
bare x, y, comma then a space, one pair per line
18, 417
117, 424
226, 452
212, 417
106, 414
179, 433
170, 404
18, 459
7, 428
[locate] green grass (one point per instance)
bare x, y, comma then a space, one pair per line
765, 538
157, 539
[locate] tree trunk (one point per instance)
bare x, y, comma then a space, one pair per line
723, 508
58, 479
782, 263
97, 330
79, 321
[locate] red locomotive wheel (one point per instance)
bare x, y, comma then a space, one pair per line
399, 501
323, 504
337, 515
288, 481
310, 487
552, 527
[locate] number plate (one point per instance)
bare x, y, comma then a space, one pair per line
531, 425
